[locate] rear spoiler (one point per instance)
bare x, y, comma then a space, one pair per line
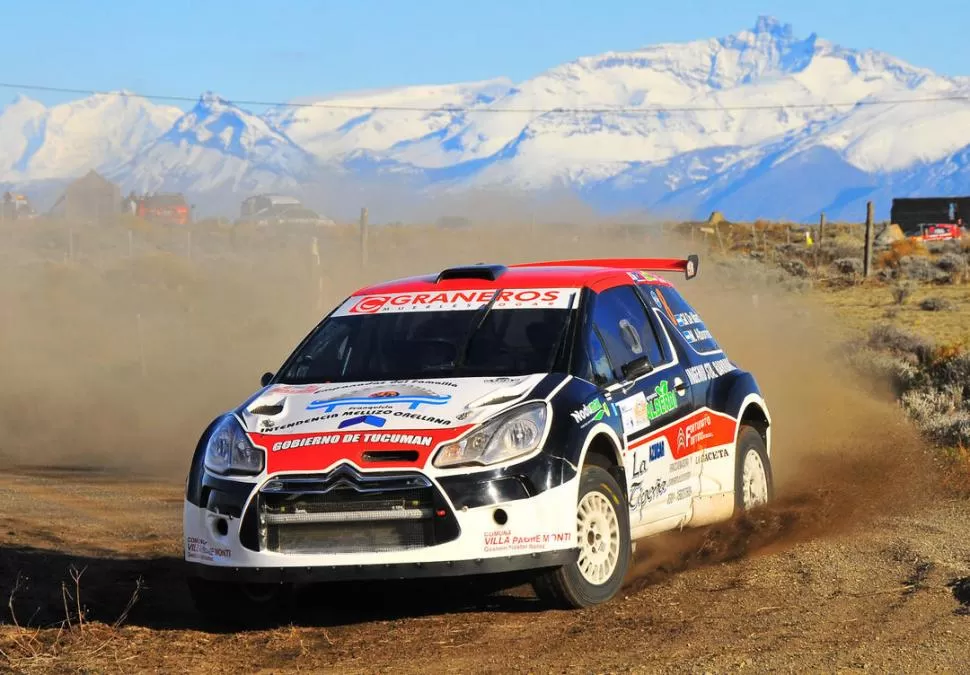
688, 265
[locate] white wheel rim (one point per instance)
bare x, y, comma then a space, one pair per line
598, 530
754, 480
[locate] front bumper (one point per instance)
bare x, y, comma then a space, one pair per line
502, 536
383, 572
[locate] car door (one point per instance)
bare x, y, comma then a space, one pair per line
651, 392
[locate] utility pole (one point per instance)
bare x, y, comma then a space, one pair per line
821, 238
867, 257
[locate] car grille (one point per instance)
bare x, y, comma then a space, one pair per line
346, 511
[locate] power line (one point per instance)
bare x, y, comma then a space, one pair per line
657, 110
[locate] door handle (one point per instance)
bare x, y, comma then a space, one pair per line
680, 387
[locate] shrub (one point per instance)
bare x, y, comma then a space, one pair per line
886, 274
949, 368
848, 266
919, 268
844, 246
795, 268
879, 365
936, 304
954, 265
789, 250
948, 246
890, 338
901, 292
948, 429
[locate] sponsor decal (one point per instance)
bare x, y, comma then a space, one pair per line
679, 478
689, 336
641, 277
682, 493
504, 540
593, 411
319, 451
641, 462
711, 455
659, 300
294, 389
643, 493
710, 370
678, 465
197, 548
662, 401
701, 334
702, 430
687, 319
519, 298
633, 412
338, 439
372, 420
694, 434
414, 397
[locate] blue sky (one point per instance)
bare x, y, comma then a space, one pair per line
282, 49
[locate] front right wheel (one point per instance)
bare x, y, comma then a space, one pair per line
753, 483
603, 532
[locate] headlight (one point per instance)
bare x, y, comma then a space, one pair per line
229, 450
506, 437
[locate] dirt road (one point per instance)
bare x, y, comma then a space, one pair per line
872, 597
117, 360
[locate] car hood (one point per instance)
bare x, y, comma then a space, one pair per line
443, 403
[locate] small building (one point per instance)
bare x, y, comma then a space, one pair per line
91, 197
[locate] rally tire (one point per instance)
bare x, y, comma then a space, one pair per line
753, 481
569, 586
226, 603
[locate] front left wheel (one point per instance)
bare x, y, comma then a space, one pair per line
603, 531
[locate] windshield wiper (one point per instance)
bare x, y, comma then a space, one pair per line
476, 324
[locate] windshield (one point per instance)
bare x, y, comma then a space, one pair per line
408, 345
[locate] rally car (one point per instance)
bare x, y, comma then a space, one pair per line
487, 419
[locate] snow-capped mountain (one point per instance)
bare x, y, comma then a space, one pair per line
217, 146
762, 123
99, 132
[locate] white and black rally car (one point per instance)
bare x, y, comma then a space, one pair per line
486, 419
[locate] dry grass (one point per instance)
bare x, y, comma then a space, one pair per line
862, 306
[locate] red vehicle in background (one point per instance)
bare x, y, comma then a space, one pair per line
165, 208
939, 231
931, 218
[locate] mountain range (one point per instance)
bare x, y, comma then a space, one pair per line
761, 123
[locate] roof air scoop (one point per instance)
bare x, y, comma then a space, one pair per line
478, 271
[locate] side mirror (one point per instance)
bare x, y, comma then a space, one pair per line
635, 368
266, 379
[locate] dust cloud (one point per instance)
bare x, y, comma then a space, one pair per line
842, 451
119, 343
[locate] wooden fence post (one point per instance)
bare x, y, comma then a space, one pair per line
363, 236
821, 238
867, 254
